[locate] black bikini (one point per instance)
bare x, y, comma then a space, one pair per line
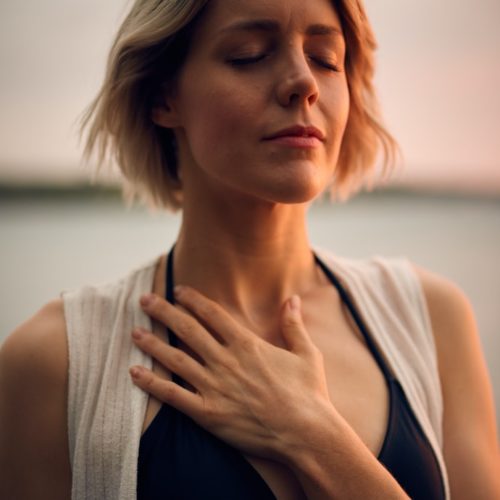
180, 460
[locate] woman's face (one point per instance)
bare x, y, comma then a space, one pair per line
255, 69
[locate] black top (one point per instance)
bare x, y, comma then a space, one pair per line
178, 459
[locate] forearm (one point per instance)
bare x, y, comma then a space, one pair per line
331, 461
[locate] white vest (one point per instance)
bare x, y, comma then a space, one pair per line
106, 410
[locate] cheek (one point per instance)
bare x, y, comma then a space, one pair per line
338, 104
219, 116
340, 100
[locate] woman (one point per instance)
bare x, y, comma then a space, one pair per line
287, 372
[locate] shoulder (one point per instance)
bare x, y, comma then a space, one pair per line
33, 415
93, 312
447, 304
453, 326
34, 365
455, 332
37, 348
469, 427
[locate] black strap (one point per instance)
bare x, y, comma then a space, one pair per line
357, 318
169, 295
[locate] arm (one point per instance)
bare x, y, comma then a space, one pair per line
34, 458
470, 438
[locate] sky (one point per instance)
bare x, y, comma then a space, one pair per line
438, 79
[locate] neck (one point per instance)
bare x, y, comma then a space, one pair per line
248, 260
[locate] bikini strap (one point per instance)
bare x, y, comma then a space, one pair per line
357, 318
169, 295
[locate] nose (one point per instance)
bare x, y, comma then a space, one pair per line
297, 84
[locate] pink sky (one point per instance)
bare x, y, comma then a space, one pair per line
438, 78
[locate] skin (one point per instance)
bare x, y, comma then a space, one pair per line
244, 229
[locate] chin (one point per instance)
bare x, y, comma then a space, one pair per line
304, 186
297, 192
297, 197
291, 186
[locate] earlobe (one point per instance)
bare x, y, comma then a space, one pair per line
164, 115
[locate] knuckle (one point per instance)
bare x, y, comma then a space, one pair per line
177, 358
148, 382
148, 341
156, 305
290, 321
168, 392
247, 344
210, 414
185, 327
186, 293
206, 381
230, 364
206, 310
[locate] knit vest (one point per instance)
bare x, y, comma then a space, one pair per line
106, 410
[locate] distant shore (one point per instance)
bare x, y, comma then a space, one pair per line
18, 192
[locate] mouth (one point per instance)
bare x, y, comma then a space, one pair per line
298, 131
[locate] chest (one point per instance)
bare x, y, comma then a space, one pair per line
356, 385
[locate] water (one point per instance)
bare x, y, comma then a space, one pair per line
48, 245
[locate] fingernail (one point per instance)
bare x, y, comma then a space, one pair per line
147, 299
295, 303
138, 333
178, 290
136, 371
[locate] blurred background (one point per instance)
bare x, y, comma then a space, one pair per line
438, 79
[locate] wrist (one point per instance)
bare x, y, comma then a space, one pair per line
327, 443
318, 427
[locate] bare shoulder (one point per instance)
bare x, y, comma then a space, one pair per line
469, 426
33, 397
39, 344
446, 302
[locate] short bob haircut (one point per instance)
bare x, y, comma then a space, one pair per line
149, 50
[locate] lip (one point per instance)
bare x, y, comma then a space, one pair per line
298, 131
296, 141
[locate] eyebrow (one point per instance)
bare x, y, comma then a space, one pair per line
270, 26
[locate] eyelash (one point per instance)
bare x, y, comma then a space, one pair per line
329, 66
243, 61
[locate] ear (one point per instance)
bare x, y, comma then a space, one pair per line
164, 112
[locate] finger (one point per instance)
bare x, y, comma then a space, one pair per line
209, 313
167, 391
174, 359
187, 328
293, 329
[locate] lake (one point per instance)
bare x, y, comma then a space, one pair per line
52, 243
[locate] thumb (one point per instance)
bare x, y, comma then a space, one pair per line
292, 327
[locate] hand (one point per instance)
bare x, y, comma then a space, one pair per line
251, 394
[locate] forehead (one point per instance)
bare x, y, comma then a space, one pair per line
223, 16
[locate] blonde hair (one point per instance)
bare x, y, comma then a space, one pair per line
149, 50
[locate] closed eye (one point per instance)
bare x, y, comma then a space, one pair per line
241, 61
325, 64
